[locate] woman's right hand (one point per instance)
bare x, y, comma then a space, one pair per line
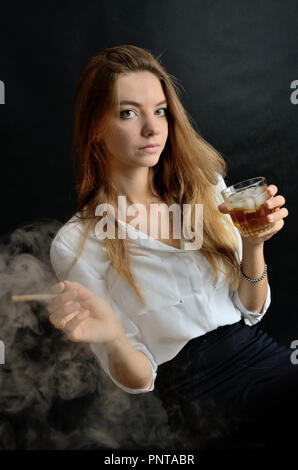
82, 314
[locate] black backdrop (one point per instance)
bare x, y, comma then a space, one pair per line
236, 62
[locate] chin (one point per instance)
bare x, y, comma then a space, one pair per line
153, 160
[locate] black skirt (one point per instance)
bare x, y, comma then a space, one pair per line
234, 387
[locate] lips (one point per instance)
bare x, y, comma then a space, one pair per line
150, 146
151, 149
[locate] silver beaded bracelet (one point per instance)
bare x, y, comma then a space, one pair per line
249, 278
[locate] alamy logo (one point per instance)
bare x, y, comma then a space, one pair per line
2, 92
294, 95
2, 353
294, 355
108, 221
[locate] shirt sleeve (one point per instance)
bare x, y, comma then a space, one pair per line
62, 256
250, 317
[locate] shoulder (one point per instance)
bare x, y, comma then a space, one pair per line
67, 242
69, 233
72, 232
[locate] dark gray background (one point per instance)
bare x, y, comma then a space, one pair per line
235, 61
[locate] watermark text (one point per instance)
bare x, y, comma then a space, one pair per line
294, 94
2, 92
2, 352
294, 355
159, 220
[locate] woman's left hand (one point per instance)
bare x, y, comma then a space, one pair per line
274, 203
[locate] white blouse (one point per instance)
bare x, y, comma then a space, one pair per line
183, 304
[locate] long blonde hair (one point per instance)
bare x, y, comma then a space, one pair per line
186, 172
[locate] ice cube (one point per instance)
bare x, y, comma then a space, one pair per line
239, 194
259, 190
261, 198
249, 192
236, 204
237, 197
253, 192
248, 204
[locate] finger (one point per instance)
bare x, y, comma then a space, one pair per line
272, 189
60, 322
72, 325
279, 214
82, 292
56, 288
277, 201
65, 310
278, 224
60, 319
223, 208
60, 300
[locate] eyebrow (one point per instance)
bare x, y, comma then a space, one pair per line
139, 105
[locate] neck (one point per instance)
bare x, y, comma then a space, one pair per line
135, 185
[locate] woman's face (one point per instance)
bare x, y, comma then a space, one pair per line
142, 121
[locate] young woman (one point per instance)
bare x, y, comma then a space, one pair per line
184, 323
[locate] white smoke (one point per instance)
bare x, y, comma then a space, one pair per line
53, 395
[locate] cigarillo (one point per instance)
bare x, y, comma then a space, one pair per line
32, 297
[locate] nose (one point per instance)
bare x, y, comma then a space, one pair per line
150, 126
